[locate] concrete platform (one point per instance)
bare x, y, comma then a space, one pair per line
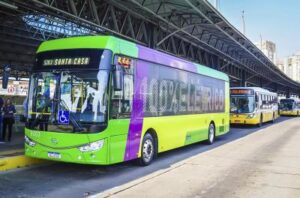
263, 164
12, 153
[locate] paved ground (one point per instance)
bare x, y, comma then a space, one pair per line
13, 148
17, 141
265, 164
226, 170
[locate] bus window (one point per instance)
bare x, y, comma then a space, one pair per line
286, 104
242, 104
262, 101
121, 102
256, 100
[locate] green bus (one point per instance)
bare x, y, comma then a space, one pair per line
104, 100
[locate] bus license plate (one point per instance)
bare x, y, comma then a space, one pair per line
54, 155
237, 121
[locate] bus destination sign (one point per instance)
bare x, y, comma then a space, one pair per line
66, 61
241, 92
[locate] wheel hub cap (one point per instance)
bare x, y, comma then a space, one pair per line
147, 150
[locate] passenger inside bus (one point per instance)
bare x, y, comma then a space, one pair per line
244, 105
44, 107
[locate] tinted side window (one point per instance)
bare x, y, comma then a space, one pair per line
170, 91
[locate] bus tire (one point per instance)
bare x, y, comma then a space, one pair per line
260, 121
273, 118
148, 150
211, 133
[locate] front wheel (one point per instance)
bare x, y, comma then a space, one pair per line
211, 133
148, 150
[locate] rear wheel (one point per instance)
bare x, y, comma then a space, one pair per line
260, 121
211, 133
273, 118
148, 150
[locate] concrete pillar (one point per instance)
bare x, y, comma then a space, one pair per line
243, 82
260, 82
275, 87
288, 94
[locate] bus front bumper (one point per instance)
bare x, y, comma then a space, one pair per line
288, 113
244, 119
73, 155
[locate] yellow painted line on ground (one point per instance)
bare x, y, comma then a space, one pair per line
9, 163
8, 152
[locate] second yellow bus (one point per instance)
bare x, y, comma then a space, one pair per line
252, 105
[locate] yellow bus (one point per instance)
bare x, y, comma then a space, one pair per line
289, 106
252, 105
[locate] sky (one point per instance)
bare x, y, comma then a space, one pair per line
274, 20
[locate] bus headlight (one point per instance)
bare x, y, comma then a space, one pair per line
29, 141
252, 115
94, 146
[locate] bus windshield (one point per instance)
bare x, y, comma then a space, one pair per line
68, 101
242, 104
286, 104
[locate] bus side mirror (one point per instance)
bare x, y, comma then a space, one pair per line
118, 78
5, 77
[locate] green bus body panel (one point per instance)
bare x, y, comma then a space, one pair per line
67, 144
118, 46
201, 69
172, 131
188, 128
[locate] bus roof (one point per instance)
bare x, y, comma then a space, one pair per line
256, 89
121, 46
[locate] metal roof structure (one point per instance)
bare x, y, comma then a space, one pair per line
191, 29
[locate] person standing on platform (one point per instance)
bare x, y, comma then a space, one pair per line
1, 121
8, 118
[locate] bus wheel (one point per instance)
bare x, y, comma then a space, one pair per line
148, 150
273, 118
260, 121
211, 133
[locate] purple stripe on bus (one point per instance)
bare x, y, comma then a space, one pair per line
137, 114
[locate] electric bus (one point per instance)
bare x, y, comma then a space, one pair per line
104, 100
252, 105
289, 106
